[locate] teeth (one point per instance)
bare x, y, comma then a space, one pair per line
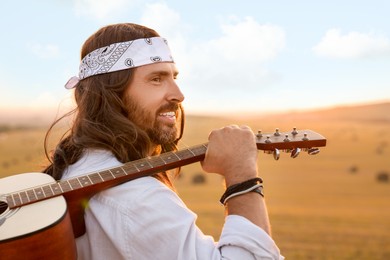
168, 114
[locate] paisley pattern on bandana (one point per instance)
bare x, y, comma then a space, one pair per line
101, 60
132, 53
121, 56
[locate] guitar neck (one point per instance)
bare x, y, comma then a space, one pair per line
87, 185
94, 182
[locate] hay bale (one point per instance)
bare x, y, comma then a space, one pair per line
382, 177
199, 178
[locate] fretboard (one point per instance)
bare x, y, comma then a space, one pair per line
108, 177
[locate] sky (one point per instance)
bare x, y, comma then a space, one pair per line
233, 56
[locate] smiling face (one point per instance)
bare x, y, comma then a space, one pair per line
153, 99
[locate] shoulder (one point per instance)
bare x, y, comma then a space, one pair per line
145, 194
92, 160
146, 189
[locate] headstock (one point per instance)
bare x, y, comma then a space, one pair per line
293, 141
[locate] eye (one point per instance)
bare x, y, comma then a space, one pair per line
156, 79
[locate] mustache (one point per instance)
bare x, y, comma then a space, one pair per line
171, 106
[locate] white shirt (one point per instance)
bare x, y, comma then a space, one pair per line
144, 219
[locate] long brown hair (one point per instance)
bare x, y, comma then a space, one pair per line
101, 117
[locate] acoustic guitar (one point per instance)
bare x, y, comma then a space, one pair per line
40, 217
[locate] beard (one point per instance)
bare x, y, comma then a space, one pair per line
158, 131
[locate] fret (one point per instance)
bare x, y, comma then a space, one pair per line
95, 178
113, 176
35, 194
52, 191
106, 175
198, 150
135, 166
78, 180
168, 157
118, 172
185, 154
31, 194
13, 199
56, 187
129, 168
65, 186
175, 154
156, 161
84, 181
39, 193
89, 179
191, 151
47, 191
74, 183
163, 159
16, 198
142, 165
24, 197
150, 165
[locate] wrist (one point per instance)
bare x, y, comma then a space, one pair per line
253, 184
239, 175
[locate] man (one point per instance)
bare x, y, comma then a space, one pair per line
129, 107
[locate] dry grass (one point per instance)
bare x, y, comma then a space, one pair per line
21, 151
328, 206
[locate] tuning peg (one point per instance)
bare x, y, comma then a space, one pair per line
313, 151
286, 139
277, 133
276, 154
268, 140
295, 152
294, 132
259, 134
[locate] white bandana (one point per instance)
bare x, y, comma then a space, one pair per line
121, 56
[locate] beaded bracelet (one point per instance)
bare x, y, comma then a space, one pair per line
241, 188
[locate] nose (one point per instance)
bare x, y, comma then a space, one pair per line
175, 93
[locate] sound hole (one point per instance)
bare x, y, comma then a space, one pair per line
3, 207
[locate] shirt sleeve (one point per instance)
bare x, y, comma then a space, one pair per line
144, 219
240, 238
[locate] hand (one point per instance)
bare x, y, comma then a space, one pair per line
232, 152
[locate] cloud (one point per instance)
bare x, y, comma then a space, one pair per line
168, 23
163, 19
100, 9
235, 61
249, 41
44, 51
230, 62
352, 45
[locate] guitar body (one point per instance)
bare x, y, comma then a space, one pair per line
41, 230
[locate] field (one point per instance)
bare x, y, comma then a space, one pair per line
326, 206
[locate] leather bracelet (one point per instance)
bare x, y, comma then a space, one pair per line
239, 187
257, 188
